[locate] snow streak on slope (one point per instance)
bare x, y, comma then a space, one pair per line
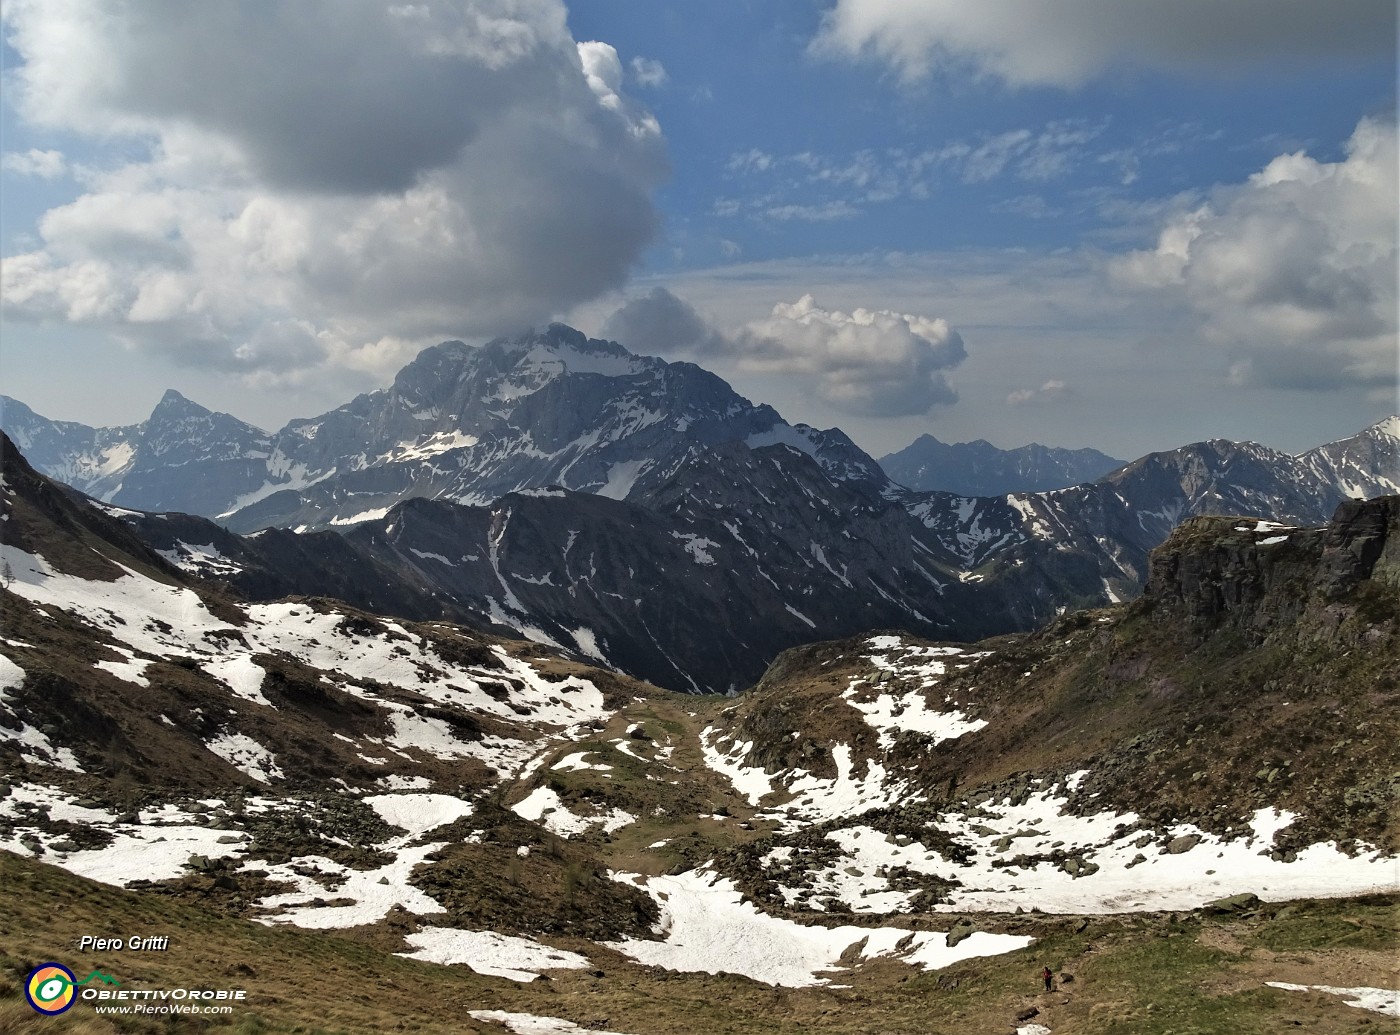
795, 797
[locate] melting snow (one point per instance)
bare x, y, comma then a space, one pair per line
998, 832
246, 754
201, 560
486, 952
32, 744
530, 1024
371, 893
577, 761
242, 675
418, 813
710, 929
697, 546
544, 806
1378, 1000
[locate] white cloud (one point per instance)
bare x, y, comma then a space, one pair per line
648, 72
872, 362
751, 160
810, 186
46, 165
1292, 273
327, 184
1051, 391
875, 363
1065, 44
824, 212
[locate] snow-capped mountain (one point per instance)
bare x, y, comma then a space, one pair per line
487, 485
460, 423
981, 469
1180, 767
1115, 521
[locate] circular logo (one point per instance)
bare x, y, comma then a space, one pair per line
49, 988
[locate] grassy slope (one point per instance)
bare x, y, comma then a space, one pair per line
1145, 975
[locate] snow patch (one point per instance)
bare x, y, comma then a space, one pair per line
486, 952
1378, 1000
247, 755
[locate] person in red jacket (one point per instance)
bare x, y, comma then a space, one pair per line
1048, 978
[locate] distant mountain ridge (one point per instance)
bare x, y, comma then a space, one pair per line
979, 468
642, 514
461, 423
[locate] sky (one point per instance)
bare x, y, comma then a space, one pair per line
1103, 223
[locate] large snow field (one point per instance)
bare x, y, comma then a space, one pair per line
1135, 870
161, 845
709, 928
159, 620
1101, 865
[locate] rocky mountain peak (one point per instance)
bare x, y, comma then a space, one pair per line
174, 406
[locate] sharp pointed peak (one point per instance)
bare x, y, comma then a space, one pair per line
172, 403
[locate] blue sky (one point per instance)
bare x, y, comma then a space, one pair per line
1124, 232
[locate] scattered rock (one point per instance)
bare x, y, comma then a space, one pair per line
1178, 845
1234, 903
960, 932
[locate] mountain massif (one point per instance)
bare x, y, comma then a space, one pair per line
1182, 802
643, 515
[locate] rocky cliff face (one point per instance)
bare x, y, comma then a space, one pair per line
1259, 577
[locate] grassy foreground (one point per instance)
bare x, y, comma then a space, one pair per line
1144, 975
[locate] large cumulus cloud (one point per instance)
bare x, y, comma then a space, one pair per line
876, 363
322, 182
1067, 43
1292, 273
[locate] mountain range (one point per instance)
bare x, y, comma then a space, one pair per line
882, 823
981, 469
643, 515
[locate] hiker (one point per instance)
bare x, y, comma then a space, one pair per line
1049, 978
